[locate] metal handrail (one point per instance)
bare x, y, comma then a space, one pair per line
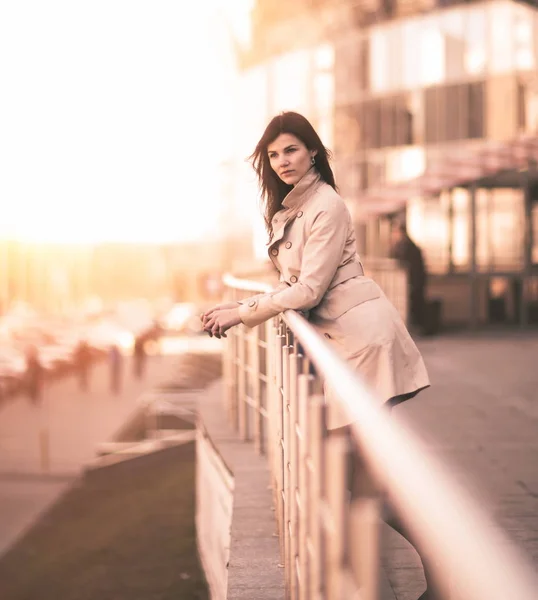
330, 548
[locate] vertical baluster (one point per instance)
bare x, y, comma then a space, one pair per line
286, 383
279, 448
364, 547
294, 370
304, 392
229, 376
316, 573
270, 395
337, 498
256, 390
242, 384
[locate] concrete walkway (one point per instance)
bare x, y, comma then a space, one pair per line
253, 572
481, 417
76, 421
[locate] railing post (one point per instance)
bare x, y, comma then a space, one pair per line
270, 393
316, 494
294, 370
230, 376
305, 466
365, 551
336, 497
257, 391
280, 465
286, 384
242, 385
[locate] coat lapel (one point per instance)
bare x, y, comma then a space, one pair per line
292, 204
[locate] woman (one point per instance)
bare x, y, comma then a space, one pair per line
312, 245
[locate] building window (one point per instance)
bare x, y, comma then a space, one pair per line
476, 28
454, 112
500, 229
527, 105
460, 229
379, 60
411, 53
476, 110
428, 225
396, 120
534, 233
524, 57
432, 53
501, 48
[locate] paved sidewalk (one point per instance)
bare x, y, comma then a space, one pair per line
481, 417
77, 421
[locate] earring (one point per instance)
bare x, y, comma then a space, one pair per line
313, 160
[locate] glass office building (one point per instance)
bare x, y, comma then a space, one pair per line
431, 108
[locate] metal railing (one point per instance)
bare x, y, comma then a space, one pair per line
329, 538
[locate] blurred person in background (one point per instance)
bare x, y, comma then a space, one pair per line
34, 375
409, 255
312, 245
139, 352
82, 364
115, 359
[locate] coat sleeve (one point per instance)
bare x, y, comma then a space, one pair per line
281, 286
322, 255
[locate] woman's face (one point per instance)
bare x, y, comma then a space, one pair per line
290, 159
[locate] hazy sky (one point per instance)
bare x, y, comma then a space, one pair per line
111, 116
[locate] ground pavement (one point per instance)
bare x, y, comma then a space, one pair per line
481, 416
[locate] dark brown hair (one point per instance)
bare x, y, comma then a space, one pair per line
273, 189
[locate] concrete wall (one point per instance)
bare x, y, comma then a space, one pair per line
214, 504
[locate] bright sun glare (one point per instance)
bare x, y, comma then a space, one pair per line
113, 119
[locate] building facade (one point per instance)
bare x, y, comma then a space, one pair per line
431, 108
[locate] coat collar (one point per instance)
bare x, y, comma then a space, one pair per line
302, 190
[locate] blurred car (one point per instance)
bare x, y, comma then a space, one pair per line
12, 370
183, 317
106, 333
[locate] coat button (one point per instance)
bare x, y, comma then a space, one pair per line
274, 251
288, 245
299, 214
327, 335
293, 279
252, 303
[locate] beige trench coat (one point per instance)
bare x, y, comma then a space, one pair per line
313, 248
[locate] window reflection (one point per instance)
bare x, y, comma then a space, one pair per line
476, 38
379, 59
506, 229
410, 53
499, 229
451, 25
432, 53
534, 229
501, 37
523, 39
451, 45
460, 229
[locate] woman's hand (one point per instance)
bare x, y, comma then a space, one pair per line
204, 317
219, 321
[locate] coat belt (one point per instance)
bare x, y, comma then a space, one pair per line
345, 272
